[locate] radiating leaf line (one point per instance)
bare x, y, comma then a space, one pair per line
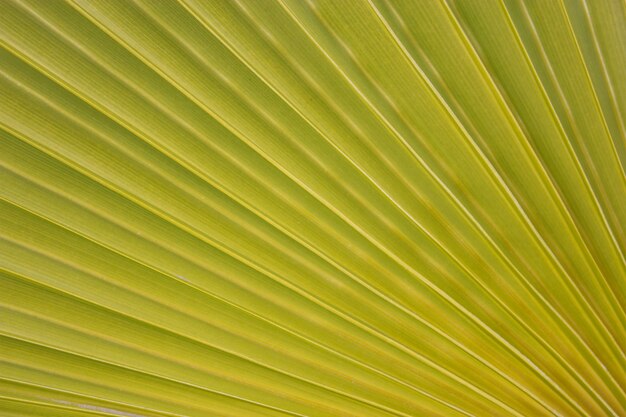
544, 169
621, 308
240, 58
364, 326
571, 121
491, 169
47, 406
469, 215
219, 349
369, 238
247, 312
312, 209
182, 336
154, 324
543, 243
605, 73
597, 105
504, 105
290, 331
550, 184
68, 405
502, 186
3, 334
143, 371
564, 135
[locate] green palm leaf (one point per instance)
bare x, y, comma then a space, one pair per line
312, 208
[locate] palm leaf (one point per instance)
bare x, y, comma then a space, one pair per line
312, 208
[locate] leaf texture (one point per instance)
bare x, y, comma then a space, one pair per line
312, 208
